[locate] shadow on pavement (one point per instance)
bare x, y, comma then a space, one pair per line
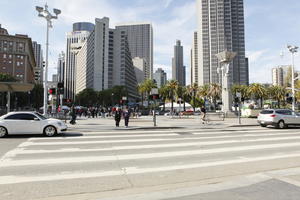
69, 134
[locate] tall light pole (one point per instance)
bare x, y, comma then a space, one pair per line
225, 59
293, 50
44, 12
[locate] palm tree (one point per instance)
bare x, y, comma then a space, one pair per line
258, 91
243, 89
214, 93
172, 85
192, 91
164, 94
277, 93
146, 87
142, 91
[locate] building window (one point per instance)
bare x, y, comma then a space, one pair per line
18, 63
9, 56
4, 55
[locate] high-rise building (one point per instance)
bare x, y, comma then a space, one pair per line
160, 77
38, 55
17, 56
83, 26
92, 59
140, 67
75, 41
105, 61
61, 67
280, 75
140, 40
178, 70
194, 60
221, 27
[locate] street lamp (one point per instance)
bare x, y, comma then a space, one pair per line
225, 59
293, 50
44, 12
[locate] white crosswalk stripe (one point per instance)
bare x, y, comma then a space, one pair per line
131, 151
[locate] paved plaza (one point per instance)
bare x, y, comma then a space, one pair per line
180, 159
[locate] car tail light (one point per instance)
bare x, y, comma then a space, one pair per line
272, 115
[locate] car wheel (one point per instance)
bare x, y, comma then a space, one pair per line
263, 125
3, 131
50, 131
281, 124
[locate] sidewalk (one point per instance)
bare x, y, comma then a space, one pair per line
163, 122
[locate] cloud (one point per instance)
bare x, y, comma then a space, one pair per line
167, 3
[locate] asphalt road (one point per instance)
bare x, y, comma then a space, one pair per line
171, 164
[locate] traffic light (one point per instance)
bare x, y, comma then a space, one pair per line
52, 91
60, 88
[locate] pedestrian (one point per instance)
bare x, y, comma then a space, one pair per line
73, 115
126, 115
203, 114
118, 115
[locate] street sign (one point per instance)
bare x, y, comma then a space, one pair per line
239, 95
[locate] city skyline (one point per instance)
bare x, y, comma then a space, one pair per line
266, 36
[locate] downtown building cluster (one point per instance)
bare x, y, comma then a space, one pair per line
99, 57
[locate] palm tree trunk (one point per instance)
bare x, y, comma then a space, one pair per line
184, 106
164, 108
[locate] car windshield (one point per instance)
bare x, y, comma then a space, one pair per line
41, 116
266, 112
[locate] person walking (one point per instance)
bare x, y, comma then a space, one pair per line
126, 115
118, 115
203, 115
73, 115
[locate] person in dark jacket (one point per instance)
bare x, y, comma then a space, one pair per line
118, 115
126, 115
73, 115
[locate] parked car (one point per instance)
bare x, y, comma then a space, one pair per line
30, 123
280, 118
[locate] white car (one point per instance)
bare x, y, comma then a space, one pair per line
30, 123
280, 118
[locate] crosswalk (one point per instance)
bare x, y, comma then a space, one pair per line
140, 155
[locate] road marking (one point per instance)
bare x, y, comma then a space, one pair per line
27, 144
134, 170
117, 148
67, 160
154, 135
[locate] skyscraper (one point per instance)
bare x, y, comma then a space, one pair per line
178, 70
160, 77
221, 27
194, 60
75, 41
140, 41
281, 75
61, 67
38, 55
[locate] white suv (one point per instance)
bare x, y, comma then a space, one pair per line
280, 118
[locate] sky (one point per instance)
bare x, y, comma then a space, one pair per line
269, 26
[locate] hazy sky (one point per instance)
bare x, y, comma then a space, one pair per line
270, 26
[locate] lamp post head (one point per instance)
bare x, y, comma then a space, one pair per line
292, 48
39, 9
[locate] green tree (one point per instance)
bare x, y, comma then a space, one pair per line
277, 93
164, 94
258, 91
214, 93
172, 86
192, 91
87, 97
146, 87
243, 89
